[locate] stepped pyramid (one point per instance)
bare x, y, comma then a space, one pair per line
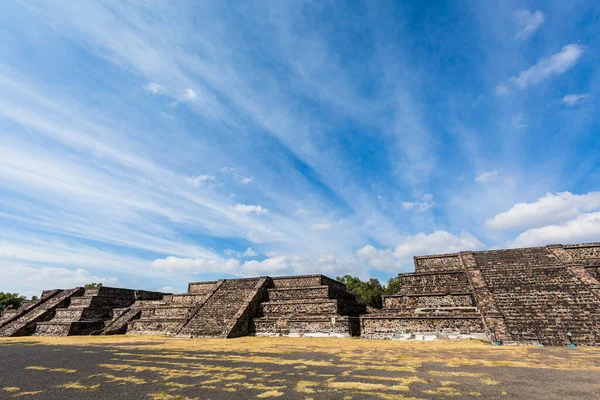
548, 295
24, 320
169, 316
308, 305
88, 312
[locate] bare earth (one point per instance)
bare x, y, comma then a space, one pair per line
141, 367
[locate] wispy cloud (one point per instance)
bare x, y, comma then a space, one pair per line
528, 22
573, 99
486, 177
190, 94
249, 252
154, 88
546, 68
250, 209
426, 203
201, 179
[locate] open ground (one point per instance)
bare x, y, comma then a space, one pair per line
133, 367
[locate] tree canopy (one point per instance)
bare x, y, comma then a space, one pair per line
92, 285
13, 300
370, 291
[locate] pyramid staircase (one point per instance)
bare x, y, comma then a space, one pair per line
174, 311
88, 313
428, 305
228, 310
24, 321
123, 316
308, 305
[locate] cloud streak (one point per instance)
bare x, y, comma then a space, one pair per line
546, 68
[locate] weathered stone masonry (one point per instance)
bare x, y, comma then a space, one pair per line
531, 295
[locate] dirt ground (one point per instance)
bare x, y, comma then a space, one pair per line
142, 367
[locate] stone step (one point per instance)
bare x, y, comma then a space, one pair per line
26, 322
56, 328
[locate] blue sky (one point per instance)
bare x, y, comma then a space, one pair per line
149, 143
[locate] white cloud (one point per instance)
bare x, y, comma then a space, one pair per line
190, 94
244, 179
30, 281
154, 88
174, 264
249, 209
166, 289
200, 179
528, 23
269, 266
420, 244
486, 177
547, 210
323, 226
236, 175
249, 252
425, 204
582, 228
546, 68
572, 99
519, 121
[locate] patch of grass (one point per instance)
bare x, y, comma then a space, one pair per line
169, 396
444, 391
179, 385
37, 368
33, 393
120, 380
489, 381
78, 386
449, 383
65, 370
271, 393
40, 368
458, 373
362, 386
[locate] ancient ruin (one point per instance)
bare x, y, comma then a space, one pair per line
542, 295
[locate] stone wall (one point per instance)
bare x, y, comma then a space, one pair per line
530, 295
405, 328
89, 313
437, 263
449, 300
308, 305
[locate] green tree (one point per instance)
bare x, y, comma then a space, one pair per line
393, 285
11, 300
34, 298
370, 291
92, 285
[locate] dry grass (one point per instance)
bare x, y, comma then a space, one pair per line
120, 380
78, 386
40, 368
32, 393
271, 393
452, 353
313, 367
